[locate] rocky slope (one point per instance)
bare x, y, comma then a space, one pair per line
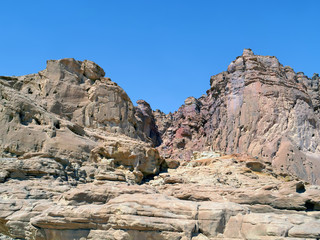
256, 107
78, 160
229, 197
71, 114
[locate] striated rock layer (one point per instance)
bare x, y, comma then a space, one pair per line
78, 160
256, 107
229, 197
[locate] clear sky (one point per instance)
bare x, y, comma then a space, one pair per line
158, 50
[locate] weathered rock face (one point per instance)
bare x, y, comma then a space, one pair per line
77, 91
77, 159
257, 107
233, 196
67, 114
146, 122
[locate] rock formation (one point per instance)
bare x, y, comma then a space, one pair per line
146, 122
71, 114
78, 160
228, 197
256, 107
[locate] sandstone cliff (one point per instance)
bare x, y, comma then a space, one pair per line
70, 114
256, 107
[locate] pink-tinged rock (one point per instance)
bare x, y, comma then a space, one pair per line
257, 107
183, 132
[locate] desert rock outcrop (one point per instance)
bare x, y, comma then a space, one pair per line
207, 198
69, 116
80, 161
256, 107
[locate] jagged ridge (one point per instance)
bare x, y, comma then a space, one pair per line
256, 107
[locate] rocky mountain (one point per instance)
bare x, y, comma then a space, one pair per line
80, 161
257, 107
70, 113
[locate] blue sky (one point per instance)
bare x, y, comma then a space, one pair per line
159, 51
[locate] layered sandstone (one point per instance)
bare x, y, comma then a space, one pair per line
229, 197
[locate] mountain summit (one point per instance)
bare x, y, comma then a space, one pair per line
257, 107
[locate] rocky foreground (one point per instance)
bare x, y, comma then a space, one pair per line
80, 161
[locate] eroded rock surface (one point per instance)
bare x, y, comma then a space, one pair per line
205, 198
146, 122
78, 160
257, 107
65, 126
67, 114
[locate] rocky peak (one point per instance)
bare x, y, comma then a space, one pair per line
257, 107
250, 62
65, 111
315, 76
144, 107
66, 69
92, 70
191, 104
247, 52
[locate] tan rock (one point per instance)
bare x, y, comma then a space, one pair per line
51, 209
172, 163
129, 153
91, 70
77, 159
